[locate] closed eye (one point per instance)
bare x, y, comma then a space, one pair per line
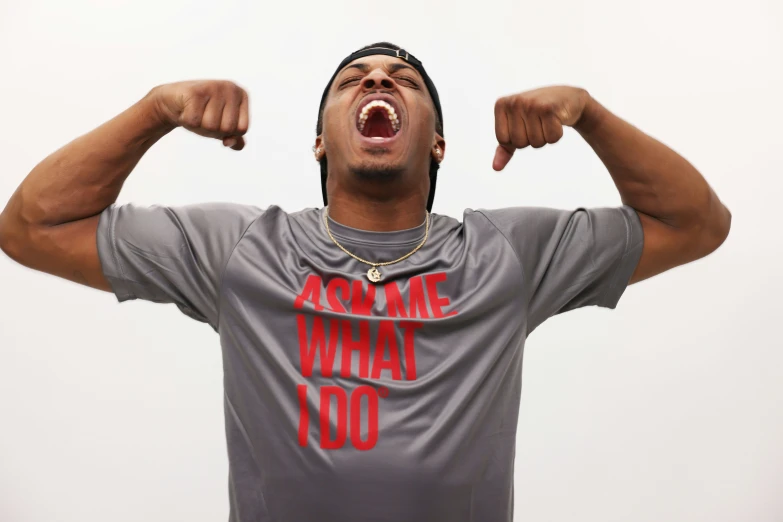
409, 80
349, 80
357, 78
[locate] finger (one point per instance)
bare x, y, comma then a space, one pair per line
553, 129
230, 118
519, 137
502, 157
194, 112
535, 131
501, 123
213, 115
244, 115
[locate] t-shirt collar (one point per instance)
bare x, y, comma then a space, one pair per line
410, 236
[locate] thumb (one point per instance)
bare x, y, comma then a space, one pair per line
502, 157
235, 142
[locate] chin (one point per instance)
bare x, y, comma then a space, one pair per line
377, 170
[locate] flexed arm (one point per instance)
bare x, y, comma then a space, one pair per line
50, 222
682, 217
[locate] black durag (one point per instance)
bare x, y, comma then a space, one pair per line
416, 64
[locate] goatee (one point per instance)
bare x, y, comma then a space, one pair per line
378, 172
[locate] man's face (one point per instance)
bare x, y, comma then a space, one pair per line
379, 122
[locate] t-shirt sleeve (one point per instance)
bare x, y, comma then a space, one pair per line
171, 254
571, 258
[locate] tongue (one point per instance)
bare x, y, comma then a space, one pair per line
378, 125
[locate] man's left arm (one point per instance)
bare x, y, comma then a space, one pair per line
682, 217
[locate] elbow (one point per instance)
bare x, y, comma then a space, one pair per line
725, 225
706, 223
721, 225
15, 236
16, 227
5, 235
9, 227
9, 241
714, 230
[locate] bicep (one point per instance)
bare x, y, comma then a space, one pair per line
665, 247
68, 250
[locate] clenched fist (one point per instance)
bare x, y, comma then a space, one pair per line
212, 108
535, 118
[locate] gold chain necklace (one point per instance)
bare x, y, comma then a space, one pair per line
373, 274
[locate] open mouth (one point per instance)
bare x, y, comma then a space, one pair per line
378, 119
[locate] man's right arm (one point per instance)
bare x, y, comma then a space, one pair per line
50, 222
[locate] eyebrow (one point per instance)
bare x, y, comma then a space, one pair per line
393, 68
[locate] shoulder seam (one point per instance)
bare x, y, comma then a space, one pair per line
510, 244
225, 267
525, 286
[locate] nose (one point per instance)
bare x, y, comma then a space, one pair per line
377, 79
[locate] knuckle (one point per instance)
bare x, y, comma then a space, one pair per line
546, 107
229, 126
191, 119
519, 140
199, 89
213, 88
209, 124
229, 87
194, 92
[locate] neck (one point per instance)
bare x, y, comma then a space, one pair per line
378, 216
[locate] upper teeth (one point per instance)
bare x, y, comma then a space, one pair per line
379, 103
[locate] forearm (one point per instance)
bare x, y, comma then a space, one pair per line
85, 176
650, 176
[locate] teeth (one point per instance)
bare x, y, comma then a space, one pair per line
364, 114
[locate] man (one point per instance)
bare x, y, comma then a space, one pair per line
372, 350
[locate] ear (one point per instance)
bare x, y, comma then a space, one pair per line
438, 148
319, 149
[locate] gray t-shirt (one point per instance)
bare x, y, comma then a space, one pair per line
347, 400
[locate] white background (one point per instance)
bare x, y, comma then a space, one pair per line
667, 408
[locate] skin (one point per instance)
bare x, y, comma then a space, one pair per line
682, 217
50, 222
391, 203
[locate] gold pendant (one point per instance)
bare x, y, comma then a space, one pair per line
374, 274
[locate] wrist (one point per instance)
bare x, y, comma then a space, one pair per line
592, 115
154, 109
